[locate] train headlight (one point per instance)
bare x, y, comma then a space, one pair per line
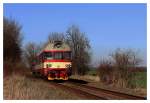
48, 65
68, 65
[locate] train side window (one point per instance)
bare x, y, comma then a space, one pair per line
38, 62
67, 55
41, 58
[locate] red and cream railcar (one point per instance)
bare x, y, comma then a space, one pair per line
54, 61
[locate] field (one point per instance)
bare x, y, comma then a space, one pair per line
140, 79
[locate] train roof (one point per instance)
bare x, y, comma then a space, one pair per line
56, 46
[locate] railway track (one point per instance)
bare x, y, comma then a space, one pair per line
103, 93
78, 92
89, 92
81, 93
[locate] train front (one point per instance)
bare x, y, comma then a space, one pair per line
57, 61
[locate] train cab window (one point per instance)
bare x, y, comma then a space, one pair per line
48, 55
67, 55
58, 55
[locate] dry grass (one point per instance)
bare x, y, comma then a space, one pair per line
86, 77
22, 87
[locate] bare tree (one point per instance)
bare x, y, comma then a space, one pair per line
12, 46
118, 68
125, 59
12, 40
80, 46
30, 54
55, 36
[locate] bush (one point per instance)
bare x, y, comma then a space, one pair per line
105, 71
11, 67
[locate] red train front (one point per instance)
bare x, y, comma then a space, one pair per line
54, 61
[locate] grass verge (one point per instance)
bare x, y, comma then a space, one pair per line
17, 87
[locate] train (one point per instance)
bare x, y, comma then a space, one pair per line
54, 61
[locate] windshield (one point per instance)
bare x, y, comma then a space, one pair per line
58, 55
48, 55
